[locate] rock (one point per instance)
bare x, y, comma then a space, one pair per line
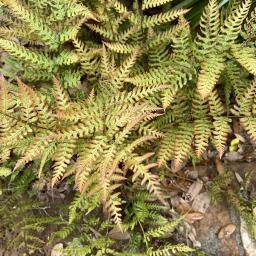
207, 229
195, 189
227, 231
201, 202
117, 234
248, 243
233, 156
57, 250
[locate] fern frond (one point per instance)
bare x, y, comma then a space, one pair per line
158, 19
121, 48
209, 26
37, 60
153, 77
162, 230
246, 57
249, 124
202, 125
244, 104
220, 133
233, 76
233, 24
147, 4
62, 98
153, 185
166, 147
113, 206
102, 31
183, 143
62, 157
167, 249
86, 58
28, 112
209, 74
37, 25
121, 8
124, 70
33, 152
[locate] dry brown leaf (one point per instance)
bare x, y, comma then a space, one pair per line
194, 216
201, 202
227, 231
195, 189
117, 234
219, 165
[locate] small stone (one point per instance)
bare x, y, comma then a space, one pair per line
57, 250
201, 202
233, 156
195, 189
117, 234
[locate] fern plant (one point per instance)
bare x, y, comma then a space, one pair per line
37, 34
98, 144
97, 236
23, 218
144, 82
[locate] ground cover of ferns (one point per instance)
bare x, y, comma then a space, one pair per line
107, 110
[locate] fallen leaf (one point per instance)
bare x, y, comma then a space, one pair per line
201, 202
57, 250
240, 137
195, 189
117, 234
194, 216
219, 165
238, 177
227, 231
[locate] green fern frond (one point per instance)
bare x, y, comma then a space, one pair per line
21, 53
183, 143
233, 24
158, 19
210, 26
62, 157
37, 25
202, 125
163, 230
209, 74
246, 57
166, 147
174, 249
147, 4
